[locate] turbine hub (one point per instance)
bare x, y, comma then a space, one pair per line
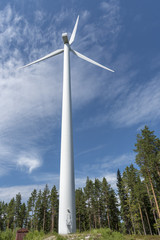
65, 38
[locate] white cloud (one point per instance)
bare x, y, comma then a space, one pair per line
109, 162
29, 162
7, 193
111, 178
141, 105
49, 178
104, 167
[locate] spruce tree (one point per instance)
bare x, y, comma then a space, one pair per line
54, 209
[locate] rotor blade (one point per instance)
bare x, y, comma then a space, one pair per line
45, 57
90, 60
74, 32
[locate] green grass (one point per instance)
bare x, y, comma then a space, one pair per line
95, 234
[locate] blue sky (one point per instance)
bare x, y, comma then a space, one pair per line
109, 109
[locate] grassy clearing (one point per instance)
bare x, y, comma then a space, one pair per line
96, 234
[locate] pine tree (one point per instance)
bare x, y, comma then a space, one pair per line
97, 202
23, 215
3, 216
54, 209
105, 204
45, 209
147, 158
89, 196
18, 210
11, 214
81, 220
124, 207
38, 213
113, 210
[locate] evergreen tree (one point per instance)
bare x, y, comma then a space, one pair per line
23, 215
81, 219
105, 204
31, 208
97, 202
113, 210
147, 158
18, 210
45, 209
89, 196
38, 213
54, 209
11, 214
124, 207
3, 216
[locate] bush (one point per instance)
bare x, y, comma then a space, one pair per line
35, 235
8, 235
110, 235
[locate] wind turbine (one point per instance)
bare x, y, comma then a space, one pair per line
67, 212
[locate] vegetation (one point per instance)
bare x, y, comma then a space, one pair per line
134, 210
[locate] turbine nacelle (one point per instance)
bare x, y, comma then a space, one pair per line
65, 38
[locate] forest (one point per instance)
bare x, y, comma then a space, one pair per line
134, 208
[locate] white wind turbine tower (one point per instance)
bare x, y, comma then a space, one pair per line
67, 212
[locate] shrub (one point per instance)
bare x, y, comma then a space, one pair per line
110, 235
8, 235
35, 235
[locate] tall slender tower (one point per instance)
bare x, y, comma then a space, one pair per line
67, 214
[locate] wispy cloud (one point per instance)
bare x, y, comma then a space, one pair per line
30, 162
111, 14
109, 162
104, 167
139, 106
7, 193
29, 98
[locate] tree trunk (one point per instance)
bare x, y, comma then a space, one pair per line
148, 221
79, 219
154, 195
108, 219
132, 221
52, 223
44, 216
142, 219
90, 221
158, 171
154, 215
99, 220
95, 221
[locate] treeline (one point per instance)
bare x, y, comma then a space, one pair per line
96, 206
134, 209
40, 212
